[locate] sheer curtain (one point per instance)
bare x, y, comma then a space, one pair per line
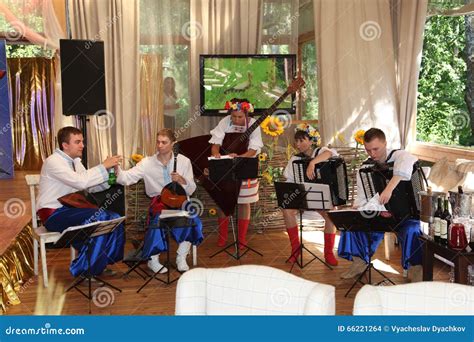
116, 23
357, 88
223, 27
408, 18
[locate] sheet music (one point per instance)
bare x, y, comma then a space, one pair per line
226, 156
174, 213
318, 196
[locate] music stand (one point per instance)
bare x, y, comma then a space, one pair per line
303, 197
175, 220
84, 234
362, 221
238, 168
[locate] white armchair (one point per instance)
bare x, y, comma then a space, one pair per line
251, 290
422, 298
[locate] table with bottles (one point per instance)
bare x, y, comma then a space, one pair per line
461, 260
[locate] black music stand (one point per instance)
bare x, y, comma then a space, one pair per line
363, 221
166, 223
236, 169
84, 234
295, 196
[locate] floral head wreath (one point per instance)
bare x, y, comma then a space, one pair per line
311, 131
239, 106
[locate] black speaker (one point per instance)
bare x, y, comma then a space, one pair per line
82, 76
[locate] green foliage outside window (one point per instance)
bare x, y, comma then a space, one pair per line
443, 116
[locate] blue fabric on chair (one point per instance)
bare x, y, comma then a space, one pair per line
356, 243
106, 249
155, 239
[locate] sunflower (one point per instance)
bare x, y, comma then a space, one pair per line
262, 157
267, 176
137, 158
212, 212
359, 136
272, 126
314, 135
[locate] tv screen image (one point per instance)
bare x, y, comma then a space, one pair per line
261, 79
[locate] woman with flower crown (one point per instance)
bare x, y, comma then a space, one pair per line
238, 121
306, 140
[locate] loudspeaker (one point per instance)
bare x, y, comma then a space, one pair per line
82, 76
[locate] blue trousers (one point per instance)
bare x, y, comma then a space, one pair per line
155, 238
105, 249
357, 244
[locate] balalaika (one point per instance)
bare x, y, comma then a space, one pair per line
332, 172
404, 203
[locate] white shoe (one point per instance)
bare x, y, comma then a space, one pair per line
358, 266
181, 263
182, 253
155, 266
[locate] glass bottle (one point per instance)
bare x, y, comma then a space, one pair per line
112, 177
437, 220
445, 222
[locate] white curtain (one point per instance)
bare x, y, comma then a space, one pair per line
368, 66
357, 88
408, 19
220, 27
116, 23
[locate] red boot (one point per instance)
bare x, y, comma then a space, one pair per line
295, 243
243, 227
223, 230
328, 249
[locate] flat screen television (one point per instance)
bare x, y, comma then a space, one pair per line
261, 79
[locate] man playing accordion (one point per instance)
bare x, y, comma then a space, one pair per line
354, 245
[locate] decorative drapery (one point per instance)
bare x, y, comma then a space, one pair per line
32, 82
116, 23
369, 56
220, 27
151, 104
16, 267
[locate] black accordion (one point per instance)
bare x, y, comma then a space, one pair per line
332, 172
404, 203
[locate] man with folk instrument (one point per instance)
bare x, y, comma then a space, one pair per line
163, 172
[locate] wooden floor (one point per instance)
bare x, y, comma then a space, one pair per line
157, 298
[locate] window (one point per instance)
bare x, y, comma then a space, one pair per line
443, 92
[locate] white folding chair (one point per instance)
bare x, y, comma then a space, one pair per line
41, 234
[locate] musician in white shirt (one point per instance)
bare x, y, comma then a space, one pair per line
354, 245
62, 173
238, 121
157, 172
306, 141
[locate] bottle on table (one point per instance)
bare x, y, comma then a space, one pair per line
437, 220
445, 222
